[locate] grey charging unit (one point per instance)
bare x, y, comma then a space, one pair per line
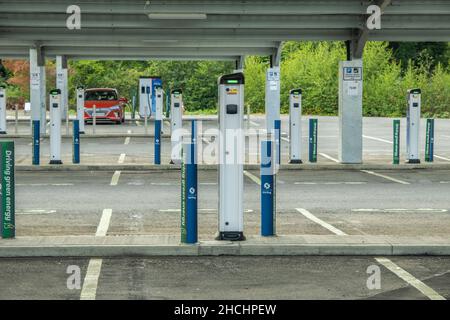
145, 97
350, 111
2, 109
176, 124
80, 107
231, 157
55, 126
295, 126
413, 126
272, 97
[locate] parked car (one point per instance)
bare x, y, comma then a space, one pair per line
108, 105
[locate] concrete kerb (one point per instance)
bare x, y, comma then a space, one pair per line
206, 167
329, 245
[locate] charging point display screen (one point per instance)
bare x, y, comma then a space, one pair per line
232, 109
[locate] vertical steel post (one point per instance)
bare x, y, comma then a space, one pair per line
157, 141
277, 127
189, 195
76, 142
268, 192
396, 140
429, 143
7, 190
36, 142
313, 127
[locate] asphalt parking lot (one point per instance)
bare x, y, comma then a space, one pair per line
128, 144
415, 202
225, 278
412, 203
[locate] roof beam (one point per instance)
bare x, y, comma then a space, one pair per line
355, 47
293, 7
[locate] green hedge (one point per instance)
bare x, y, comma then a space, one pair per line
314, 68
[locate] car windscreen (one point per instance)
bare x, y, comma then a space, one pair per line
100, 95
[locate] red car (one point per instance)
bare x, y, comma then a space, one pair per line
108, 106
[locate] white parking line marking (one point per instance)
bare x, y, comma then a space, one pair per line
331, 183
90, 283
402, 274
121, 158
377, 139
442, 158
138, 123
329, 157
285, 139
35, 211
89, 290
202, 210
393, 210
385, 177
127, 140
115, 178
254, 123
445, 182
324, 224
410, 279
44, 184
103, 226
252, 177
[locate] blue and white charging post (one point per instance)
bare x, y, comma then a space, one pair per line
189, 190
36, 142
76, 142
277, 136
268, 188
158, 123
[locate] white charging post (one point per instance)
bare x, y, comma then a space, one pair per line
2, 109
159, 96
80, 107
145, 97
55, 126
176, 125
413, 125
295, 126
231, 157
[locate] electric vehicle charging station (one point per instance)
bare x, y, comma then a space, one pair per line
2, 109
350, 111
272, 100
80, 108
55, 126
176, 124
159, 99
413, 125
231, 156
147, 95
295, 126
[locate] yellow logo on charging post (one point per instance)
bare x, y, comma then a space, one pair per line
232, 91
